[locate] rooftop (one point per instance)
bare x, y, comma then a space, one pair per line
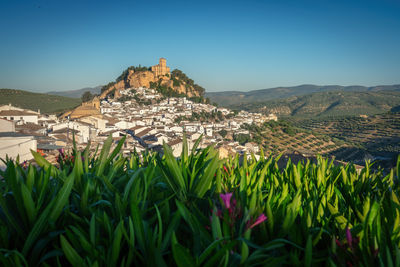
16, 113
14, 134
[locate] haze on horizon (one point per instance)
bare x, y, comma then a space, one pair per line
226, 45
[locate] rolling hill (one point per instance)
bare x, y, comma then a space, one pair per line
45, 102
77, 93
229, 98
333, 103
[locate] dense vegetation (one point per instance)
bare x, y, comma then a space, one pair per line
177, 76
204, 116
165, 90
87, 96
125, 73
107, 86
195, 210
34, 101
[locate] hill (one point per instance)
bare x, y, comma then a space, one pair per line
77, 93
284, 137
377, 135
159, 77
229, 98
334, 103
45, 102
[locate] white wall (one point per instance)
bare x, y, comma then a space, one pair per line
14, 146
25, 118
7, 126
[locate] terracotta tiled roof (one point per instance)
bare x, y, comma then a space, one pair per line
144, 132
16, 113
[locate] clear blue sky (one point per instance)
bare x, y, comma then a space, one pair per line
59, 45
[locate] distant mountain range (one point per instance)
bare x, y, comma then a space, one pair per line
77, 93
297, 101
230, 98
332, 103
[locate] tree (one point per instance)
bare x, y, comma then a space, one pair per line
106, 87
223, 133
242, 138
87, 96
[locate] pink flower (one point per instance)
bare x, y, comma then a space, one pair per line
349, 237
259, 220
226, 198
226, 170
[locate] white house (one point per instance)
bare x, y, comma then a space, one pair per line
17, 115
208, 131
252, 147
98, 123
176, 129
82, 128
16, 144
124, 124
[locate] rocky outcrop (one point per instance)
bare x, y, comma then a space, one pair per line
140, 79
135, 77
159, 74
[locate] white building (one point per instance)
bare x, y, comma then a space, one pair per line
16, 144
17, 115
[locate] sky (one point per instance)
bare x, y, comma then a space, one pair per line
56, 45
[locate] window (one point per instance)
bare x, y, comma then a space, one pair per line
12, 118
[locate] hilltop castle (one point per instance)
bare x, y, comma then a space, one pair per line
132, 78
161, 69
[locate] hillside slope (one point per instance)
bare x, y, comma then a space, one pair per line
229, 98
34, 101
335, 103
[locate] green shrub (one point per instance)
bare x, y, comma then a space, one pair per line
157, 210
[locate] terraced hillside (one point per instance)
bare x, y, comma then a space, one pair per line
282, 137
377, 137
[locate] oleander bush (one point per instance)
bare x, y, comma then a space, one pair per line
197, 210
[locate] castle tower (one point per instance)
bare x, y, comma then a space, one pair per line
163, 62
161, 69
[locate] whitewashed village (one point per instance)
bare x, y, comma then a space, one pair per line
145, 117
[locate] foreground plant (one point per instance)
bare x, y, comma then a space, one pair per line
155, 210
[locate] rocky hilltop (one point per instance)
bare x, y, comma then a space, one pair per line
157, 77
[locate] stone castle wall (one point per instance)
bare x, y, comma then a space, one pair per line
161, 69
